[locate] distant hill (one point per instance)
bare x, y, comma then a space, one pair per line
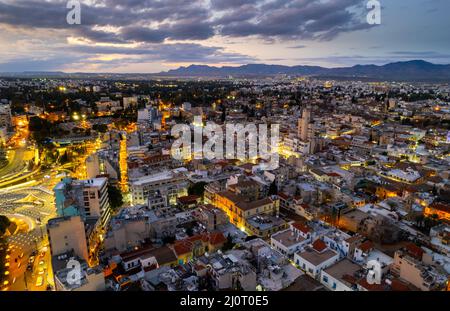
414, 71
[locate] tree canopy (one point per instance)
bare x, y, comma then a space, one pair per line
197, 188
4, 224
115, 197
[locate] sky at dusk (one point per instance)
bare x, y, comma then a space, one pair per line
154, 35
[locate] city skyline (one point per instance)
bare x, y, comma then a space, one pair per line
153, 36
227, 148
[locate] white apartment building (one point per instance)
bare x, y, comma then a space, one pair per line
170, 183
291, 240
316, 258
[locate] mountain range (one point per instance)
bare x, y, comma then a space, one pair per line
414, 71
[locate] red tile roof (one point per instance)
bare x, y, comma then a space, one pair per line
301, 227
217, 238
283, 195
366, 246
414, 250
185, 246
371, 287
319, 245
399, 286
189, 199
182, 247
333, 174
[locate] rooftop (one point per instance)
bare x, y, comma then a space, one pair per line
315, 257
343, 268
264, 222
287, 238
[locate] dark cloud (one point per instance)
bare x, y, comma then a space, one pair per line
221, 5
177, 52
191, 20
85, 55
151, 24
290, 19
142, 34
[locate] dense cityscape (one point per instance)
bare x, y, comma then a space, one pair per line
95, 197
224, 154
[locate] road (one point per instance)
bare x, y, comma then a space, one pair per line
23, 276
15, 163
37, 205
34, 202
29, 196
17, 168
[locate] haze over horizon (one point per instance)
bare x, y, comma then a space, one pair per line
150, 36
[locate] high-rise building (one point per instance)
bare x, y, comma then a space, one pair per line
303, 124
170, 183
129, 101
149, 116
5, 115
92, 166
85, 198
67, 234
305, 133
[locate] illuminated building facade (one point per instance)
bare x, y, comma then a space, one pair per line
239, 210
123, 165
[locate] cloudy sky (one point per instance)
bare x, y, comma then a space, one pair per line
156, 35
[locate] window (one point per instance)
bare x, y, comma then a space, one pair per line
325, 279
334, 285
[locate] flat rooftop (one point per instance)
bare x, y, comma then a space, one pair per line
287, 238
315, 257
343, 267
264, 222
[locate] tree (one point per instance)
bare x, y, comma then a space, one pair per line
168, 239
115, 197
273, 189
223, 117
102, 128
4, 224
229, 244
189, 231
197, 188
64, 158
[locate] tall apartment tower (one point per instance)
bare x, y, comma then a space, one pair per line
303, 124
92, 166
66, 234
85, 198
